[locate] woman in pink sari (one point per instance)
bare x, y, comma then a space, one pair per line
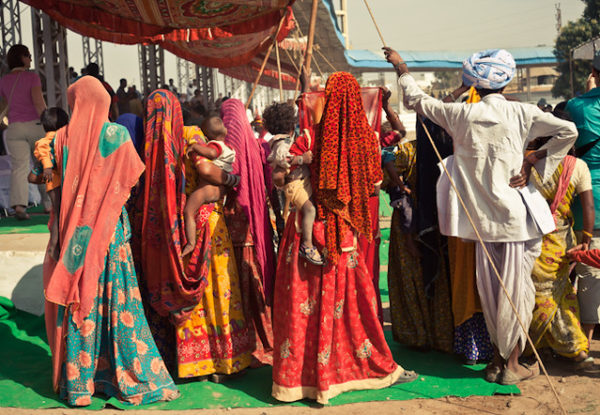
247, 217
95, 322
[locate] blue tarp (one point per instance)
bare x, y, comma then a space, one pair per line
542, 55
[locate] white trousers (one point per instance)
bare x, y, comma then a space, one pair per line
20, 140
514, 261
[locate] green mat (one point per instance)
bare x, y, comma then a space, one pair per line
37, 224
25, 376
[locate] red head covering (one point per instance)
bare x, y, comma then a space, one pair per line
162, 235
347, 163
99, 167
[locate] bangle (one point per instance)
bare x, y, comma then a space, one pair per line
586, 233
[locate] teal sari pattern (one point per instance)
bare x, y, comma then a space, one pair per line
113, 351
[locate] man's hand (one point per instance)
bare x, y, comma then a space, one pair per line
47, 175
590, 83
392, 56
522, 179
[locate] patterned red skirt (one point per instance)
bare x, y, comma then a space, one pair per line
327, 337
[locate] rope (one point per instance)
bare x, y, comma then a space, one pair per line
496, 272
325, 58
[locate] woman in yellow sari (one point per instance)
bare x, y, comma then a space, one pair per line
555, 322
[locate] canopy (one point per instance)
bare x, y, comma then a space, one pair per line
587, 50
216, 33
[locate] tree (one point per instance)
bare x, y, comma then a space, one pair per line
572, 35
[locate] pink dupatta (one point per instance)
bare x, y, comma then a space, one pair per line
99, 166
563, 184
251, 193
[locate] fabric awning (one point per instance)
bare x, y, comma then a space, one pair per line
216, 33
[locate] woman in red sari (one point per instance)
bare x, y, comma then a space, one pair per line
328, 338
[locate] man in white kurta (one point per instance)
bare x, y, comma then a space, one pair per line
489, 139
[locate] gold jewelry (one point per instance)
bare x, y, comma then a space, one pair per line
586, 233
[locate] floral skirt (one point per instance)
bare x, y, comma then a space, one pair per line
472, 341
113, 351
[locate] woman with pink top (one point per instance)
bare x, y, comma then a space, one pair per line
21, 90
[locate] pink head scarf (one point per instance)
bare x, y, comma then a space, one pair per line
99, 166
251, 193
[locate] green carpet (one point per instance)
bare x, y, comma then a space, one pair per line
25, 376
37, 224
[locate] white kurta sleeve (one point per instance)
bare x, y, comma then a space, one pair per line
563, 133
446, 115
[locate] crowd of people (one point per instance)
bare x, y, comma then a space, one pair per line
184, 244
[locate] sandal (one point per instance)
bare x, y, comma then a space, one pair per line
584, 364
508, 377
311, 254
406, 376
492, 373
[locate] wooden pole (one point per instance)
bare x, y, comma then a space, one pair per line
279, 72
264, 62
375, 23
311, 36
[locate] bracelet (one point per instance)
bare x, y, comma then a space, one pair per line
586, 233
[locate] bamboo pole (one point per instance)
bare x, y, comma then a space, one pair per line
311, 36
264, 62
279, 71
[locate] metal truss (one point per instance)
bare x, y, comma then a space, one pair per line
10, 18
50, 57
92, 52
206, 84
152, 68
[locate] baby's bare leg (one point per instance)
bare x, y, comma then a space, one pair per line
308, 220
193, 203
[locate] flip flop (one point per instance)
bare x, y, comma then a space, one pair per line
585, 364
508, 377
406, 376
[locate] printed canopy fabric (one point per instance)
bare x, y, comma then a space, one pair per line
270, 76
215, 33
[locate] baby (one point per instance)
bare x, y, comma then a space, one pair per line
44, 170
290, 161
221, 156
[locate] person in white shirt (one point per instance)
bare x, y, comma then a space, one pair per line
488, 167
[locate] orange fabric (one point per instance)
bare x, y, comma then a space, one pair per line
465, 299
43, 155
347, 163
99, 165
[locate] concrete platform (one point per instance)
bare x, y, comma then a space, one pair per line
21, 261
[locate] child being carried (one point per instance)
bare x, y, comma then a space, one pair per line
290, 171
222, 156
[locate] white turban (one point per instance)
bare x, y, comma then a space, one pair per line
490, 69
